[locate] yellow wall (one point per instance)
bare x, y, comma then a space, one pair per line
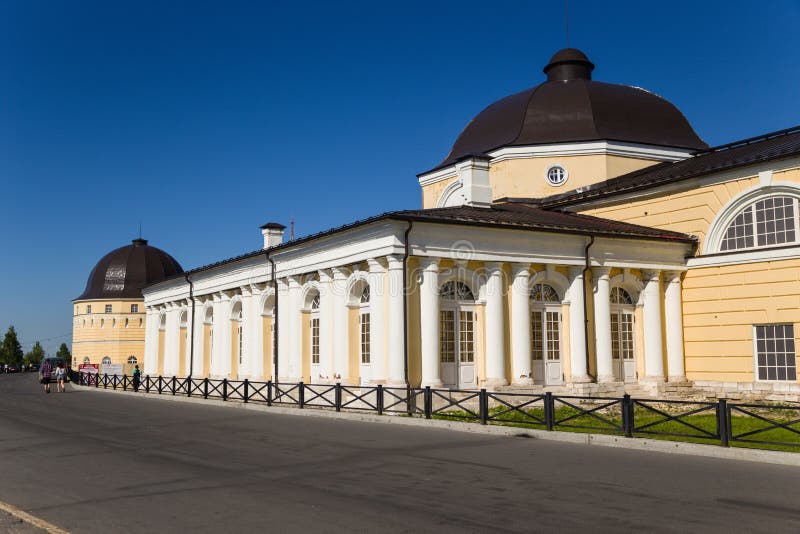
98, 334
266, 326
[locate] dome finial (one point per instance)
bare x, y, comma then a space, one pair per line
569, 64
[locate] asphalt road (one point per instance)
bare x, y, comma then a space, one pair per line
90, 461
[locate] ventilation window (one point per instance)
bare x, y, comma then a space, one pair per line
556, 175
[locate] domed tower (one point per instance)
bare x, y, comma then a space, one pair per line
565, 133
109, 317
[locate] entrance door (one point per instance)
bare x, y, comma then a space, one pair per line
457, 346
546, 346
314, 368
622, 349
363, 327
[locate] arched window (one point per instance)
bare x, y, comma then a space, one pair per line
622, 350
240, 334
132, 360
766, 222
106, 360
364, 325
457, 334
546, 334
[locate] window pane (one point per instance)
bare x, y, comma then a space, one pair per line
775, 357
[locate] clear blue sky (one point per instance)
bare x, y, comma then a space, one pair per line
206, 119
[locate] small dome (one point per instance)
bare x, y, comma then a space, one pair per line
123, 272
571, 107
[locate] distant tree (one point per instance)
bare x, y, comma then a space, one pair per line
35, 355
11, 349
63, 352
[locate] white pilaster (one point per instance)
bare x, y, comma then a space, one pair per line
495, 327
429, 322
199, 329
673, 311
577, 332
341, 370
396, 333
172, 340
325, 327
284, 331
150, 364
248, 329
377, 321
521, 324
602, 324
653, 352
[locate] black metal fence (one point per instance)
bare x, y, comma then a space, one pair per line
701, 421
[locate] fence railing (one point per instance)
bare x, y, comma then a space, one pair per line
702, 421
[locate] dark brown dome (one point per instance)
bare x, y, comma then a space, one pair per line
123, 272
570, 107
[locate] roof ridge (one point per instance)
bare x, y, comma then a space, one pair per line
750, 140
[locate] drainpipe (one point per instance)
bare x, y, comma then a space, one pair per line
586, 269
191, 332
405, 299
274, 317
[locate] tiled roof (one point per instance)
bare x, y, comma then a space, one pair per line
771, 146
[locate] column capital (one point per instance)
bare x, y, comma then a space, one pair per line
245, 291
521, 269
493, 267
394, 262
602, 271
375, 265
651, 275
340, 273
325, 276
575, 271
429, 263
293, 281
673, 277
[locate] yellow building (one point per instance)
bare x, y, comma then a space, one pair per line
109, 317
579, 237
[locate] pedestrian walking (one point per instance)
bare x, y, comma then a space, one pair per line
137, 378
45, 373
61, 374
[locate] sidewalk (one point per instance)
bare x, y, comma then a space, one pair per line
603, 440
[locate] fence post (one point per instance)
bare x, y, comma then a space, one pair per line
627, 416
189, 386
301, 394
147, 383
174, 383
380, 399
337, 396
549, 410
428, 402
483, 406
246, 392
411, 402
269, 392
722, 423
224, 389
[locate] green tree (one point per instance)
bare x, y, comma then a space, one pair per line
11, 349
35, 355
63, 352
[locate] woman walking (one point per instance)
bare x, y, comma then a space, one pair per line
61, 374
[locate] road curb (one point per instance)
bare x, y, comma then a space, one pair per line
602, 440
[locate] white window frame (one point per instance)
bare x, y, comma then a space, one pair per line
755, 356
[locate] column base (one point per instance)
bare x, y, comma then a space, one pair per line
494, 382
678, 379
432, 383
583, 379
604, 379
396, 384
523, 381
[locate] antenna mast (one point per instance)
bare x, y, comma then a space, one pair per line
291, 229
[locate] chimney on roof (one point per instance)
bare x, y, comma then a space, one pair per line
273, 234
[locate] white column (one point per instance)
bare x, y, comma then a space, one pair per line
673, 311
248, 326
377, 321
341, 367
295, 341
396, 333
577, 332
284, 331
199, 329
150, 363
429, 322
653, 355
495, 327
602, 324
172, 340
521, 324
255, 336
325, 327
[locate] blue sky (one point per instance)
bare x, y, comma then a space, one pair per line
206, 119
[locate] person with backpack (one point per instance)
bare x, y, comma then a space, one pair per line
137, 378
45, 372
61, 374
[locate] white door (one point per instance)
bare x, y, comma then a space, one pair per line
364, 329
457, 347
315, 367
622, 349
546, 346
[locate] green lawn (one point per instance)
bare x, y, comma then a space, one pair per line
609, 421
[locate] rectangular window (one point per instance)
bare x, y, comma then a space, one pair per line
545, 335
108, 308
466, 336
775, 359
88, 308
447, 336
315, 340
134, 308
364, 321
241, 343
